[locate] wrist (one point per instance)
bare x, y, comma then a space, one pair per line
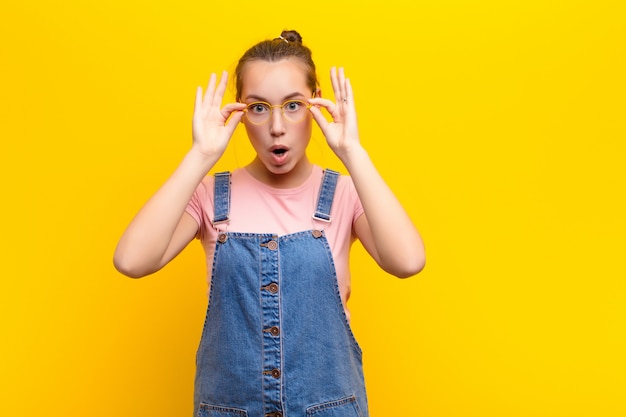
203, 160
353, 156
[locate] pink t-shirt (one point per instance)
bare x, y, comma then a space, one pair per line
258, 208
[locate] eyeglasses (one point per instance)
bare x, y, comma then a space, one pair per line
293, 111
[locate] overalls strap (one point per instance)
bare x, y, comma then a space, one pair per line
221, 198
326, 195
324, 200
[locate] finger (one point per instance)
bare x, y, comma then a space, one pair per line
349, 94
330, 106
335, 83
210, 91
197, 105
319, 118
221, 88
324, 102
342, 84
230, 108
233, 122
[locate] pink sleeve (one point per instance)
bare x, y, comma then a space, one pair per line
355, 202
347, 197
200, 206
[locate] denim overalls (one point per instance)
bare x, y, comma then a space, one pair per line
276, 341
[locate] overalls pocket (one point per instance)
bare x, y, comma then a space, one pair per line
345, 407
208, 410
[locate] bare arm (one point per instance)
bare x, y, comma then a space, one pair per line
161, 229
385, 229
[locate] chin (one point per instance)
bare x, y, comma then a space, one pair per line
284, 168
279, 170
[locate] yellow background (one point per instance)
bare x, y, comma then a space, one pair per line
499, 124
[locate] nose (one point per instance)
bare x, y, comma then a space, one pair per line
277, 123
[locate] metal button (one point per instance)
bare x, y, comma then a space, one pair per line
317, 233
272, 245
222, 237
273, 288
274, 330
274, 414
274, 372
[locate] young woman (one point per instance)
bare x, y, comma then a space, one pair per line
277, 234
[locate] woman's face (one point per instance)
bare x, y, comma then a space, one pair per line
280, 145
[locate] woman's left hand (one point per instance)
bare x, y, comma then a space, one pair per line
342, 134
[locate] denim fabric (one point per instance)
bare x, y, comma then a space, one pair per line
276, 341
222, 197
327, 192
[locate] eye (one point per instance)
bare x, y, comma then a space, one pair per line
293, 106
258, 108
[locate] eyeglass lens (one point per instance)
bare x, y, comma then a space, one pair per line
260, 112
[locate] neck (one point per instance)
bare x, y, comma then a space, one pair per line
291, 179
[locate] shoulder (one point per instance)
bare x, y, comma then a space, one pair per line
206, 187
347, 197
345, 185
345, 192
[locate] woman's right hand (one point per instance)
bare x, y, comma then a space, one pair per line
213, 125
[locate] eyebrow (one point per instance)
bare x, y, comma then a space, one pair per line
287, 97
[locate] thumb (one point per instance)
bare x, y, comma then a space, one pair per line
233, 121
319, 118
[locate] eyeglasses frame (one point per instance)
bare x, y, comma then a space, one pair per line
282, 110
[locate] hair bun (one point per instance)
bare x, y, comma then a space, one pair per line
290, 36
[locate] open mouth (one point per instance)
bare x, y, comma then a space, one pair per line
279, 151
